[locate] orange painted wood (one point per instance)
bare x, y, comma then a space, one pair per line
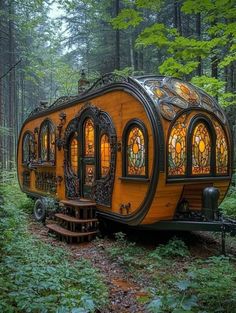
122, 107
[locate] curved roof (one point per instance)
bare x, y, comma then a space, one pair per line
168, 94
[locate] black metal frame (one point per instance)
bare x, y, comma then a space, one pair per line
196, 120
47, 122
86, 115
72, 181
128, 127
30, 134
72, 136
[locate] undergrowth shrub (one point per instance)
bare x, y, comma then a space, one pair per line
126, 253
37, 277
174, 248
208, 286
228, 206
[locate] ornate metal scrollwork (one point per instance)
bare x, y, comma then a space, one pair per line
107, 79
71, 180
104, 187
62, 100
46, 181
26, 179
59, 140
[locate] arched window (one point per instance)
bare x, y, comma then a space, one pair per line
197, 146
74, 154
201, 150
135, 149
47, 142
222, 154
177, 154
105, 155
89, 147
27, 147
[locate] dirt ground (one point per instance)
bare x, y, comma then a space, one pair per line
124, 290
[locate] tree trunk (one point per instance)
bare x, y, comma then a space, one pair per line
214, 66
177, 17
11, 90
117, 45
198, 31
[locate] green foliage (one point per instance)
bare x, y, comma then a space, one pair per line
228, 206
174, 248
12, 193
127, 18
128, 71
37, 277
153, 5
131, 254
208, 286
210, 84
172, 67
181, 53
215, 87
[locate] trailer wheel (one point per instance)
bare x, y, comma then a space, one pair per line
40, 210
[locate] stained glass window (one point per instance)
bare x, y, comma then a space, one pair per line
89, 138
74, 155
221, 150
136, 153
105, 155
28, 147
185, 91
47, 142
177, 148
201, 150
89, 174
44, 142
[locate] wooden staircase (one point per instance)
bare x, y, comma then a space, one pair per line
77, 223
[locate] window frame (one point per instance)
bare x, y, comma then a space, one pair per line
131, 124
49, 125
100, 158
195, 121
89, 117
30, 134
72, 137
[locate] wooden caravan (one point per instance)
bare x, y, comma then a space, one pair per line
139, 150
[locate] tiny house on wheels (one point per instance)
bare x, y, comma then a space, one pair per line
150, 151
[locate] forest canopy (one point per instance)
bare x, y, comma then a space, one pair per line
45, 44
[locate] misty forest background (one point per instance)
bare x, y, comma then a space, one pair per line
45, 44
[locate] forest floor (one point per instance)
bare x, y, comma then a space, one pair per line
130, 281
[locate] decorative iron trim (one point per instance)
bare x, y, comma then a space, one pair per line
107, 79
46, 181
70, 178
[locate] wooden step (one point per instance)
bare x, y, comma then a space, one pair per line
78, 203
72, 219
64, 232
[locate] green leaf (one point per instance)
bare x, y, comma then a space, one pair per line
155, 306
183, 285
189, 302
126, 18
